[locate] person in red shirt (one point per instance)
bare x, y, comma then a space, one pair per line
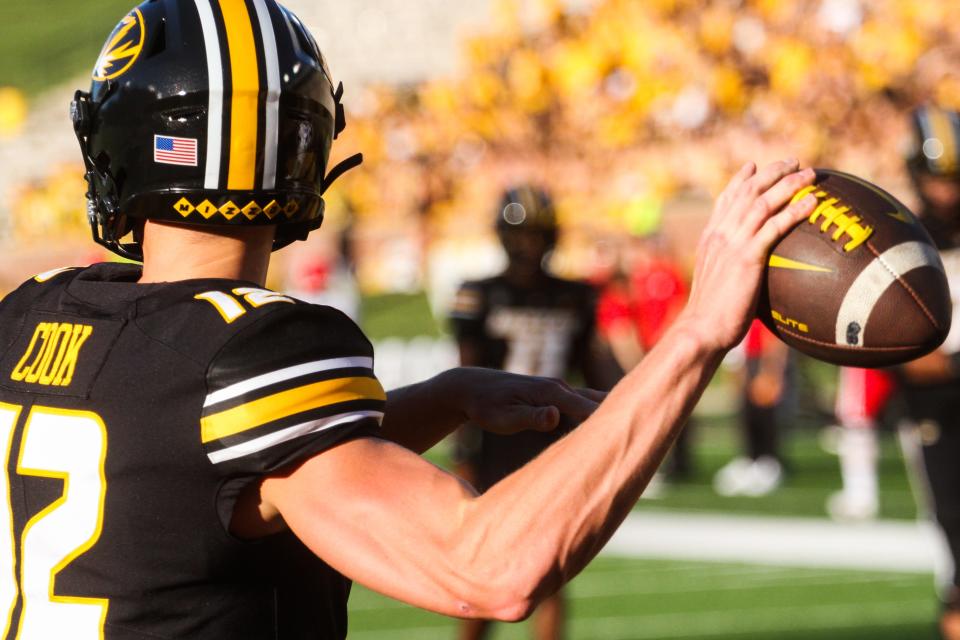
637, 306
862, 396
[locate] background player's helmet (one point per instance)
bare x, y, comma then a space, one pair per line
527, 208
935, 143
208, 112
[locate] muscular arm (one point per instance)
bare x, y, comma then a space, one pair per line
383, 516
399, 525
422, 414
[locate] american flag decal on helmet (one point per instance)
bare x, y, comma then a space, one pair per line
179, 151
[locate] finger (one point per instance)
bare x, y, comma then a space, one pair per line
776, 197
569, 403
545, 419
745, 173
777, 226
592, 394
729, 192
760, 183
770, 174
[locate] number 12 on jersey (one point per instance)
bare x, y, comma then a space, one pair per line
70, 446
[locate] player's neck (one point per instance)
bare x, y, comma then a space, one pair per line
524, 276
175, 252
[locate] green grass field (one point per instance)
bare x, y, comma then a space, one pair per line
628, 599
812, 476
51, 41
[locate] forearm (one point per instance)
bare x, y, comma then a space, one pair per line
421, 415
561, 508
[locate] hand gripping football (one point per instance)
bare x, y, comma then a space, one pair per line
859, 283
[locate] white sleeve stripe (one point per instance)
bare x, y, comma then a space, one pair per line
285, 435
281, 375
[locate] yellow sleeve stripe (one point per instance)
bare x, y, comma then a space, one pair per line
287, 403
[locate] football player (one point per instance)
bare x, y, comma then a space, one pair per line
192, 456
931, 385
766, 386
862, 397
527, 321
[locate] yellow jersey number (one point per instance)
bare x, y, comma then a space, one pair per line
70, 446
230, 308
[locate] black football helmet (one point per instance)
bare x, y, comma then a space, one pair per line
527, 207
208, 112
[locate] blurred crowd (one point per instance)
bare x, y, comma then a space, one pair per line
616, 106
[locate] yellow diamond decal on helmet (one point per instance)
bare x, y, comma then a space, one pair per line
252, 210
292, 207
229, 210
272, 209
207, 209
184, 207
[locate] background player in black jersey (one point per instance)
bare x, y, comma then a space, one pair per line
931, 385
192, 456
527, 321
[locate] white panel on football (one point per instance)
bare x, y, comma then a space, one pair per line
866, 290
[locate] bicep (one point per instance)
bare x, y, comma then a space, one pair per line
382, 516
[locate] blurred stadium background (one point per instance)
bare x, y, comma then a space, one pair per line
633, 112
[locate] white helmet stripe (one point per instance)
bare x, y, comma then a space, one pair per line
874, 280
272, 106
211, 43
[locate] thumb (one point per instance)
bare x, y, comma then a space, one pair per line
545, 418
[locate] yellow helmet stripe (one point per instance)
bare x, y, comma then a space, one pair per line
244, 99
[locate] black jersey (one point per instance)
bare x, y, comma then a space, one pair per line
940, 401
545, 330
542, 331
132, 416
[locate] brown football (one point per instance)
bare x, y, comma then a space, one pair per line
860, 282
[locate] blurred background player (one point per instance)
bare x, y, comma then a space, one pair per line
640, 300
931, 385
525, 320
766, 389
862, 397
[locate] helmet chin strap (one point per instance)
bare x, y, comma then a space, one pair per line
341, 168
339, 124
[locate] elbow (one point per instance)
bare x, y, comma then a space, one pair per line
511, 598
500, 607
517, 611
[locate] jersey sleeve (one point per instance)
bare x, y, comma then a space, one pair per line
469, 311
286, 388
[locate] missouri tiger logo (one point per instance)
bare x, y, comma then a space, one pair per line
122, 49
